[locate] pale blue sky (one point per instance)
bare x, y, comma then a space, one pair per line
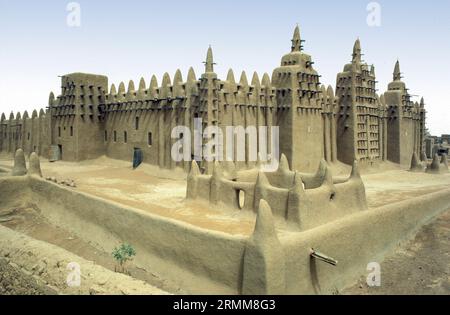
131, 39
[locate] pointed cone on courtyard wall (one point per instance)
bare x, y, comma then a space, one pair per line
35, 165
416, 166
34, 114
195, 171
284, 163
435, 164
444, 161
355, 171
20, 167
265, 225
423, 157
264, 261
3, 117
41, 113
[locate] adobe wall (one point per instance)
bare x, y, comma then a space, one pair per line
209, 262
173, 249
355, 241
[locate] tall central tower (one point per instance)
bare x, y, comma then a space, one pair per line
299, 111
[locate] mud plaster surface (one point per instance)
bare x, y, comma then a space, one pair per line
163, 192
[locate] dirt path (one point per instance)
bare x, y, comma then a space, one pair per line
421, 267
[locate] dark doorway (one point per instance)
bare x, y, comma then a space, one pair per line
137, 158
55, 153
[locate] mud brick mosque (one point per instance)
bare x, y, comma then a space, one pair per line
351, 122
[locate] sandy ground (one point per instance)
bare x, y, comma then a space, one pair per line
421, 267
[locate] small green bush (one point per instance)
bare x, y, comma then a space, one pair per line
123, 254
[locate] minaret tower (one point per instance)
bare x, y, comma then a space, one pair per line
404, 123
299, 110
208, 109
358, 122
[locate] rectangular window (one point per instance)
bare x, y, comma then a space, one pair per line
115, 136
150, 138
59, 131
71, 131
106, 135
28, 136
125, 137
136, 123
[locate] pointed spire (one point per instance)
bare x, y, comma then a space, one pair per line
422, 102
113, 90
209, 63
121, 88
266, 80
142, 85
255, 80
243, 81
357, 51
230, 76
397, 73
51, 99
330, 92
191, 75
296, 40
372, 70
131, 88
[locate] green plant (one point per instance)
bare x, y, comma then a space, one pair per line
123, 254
